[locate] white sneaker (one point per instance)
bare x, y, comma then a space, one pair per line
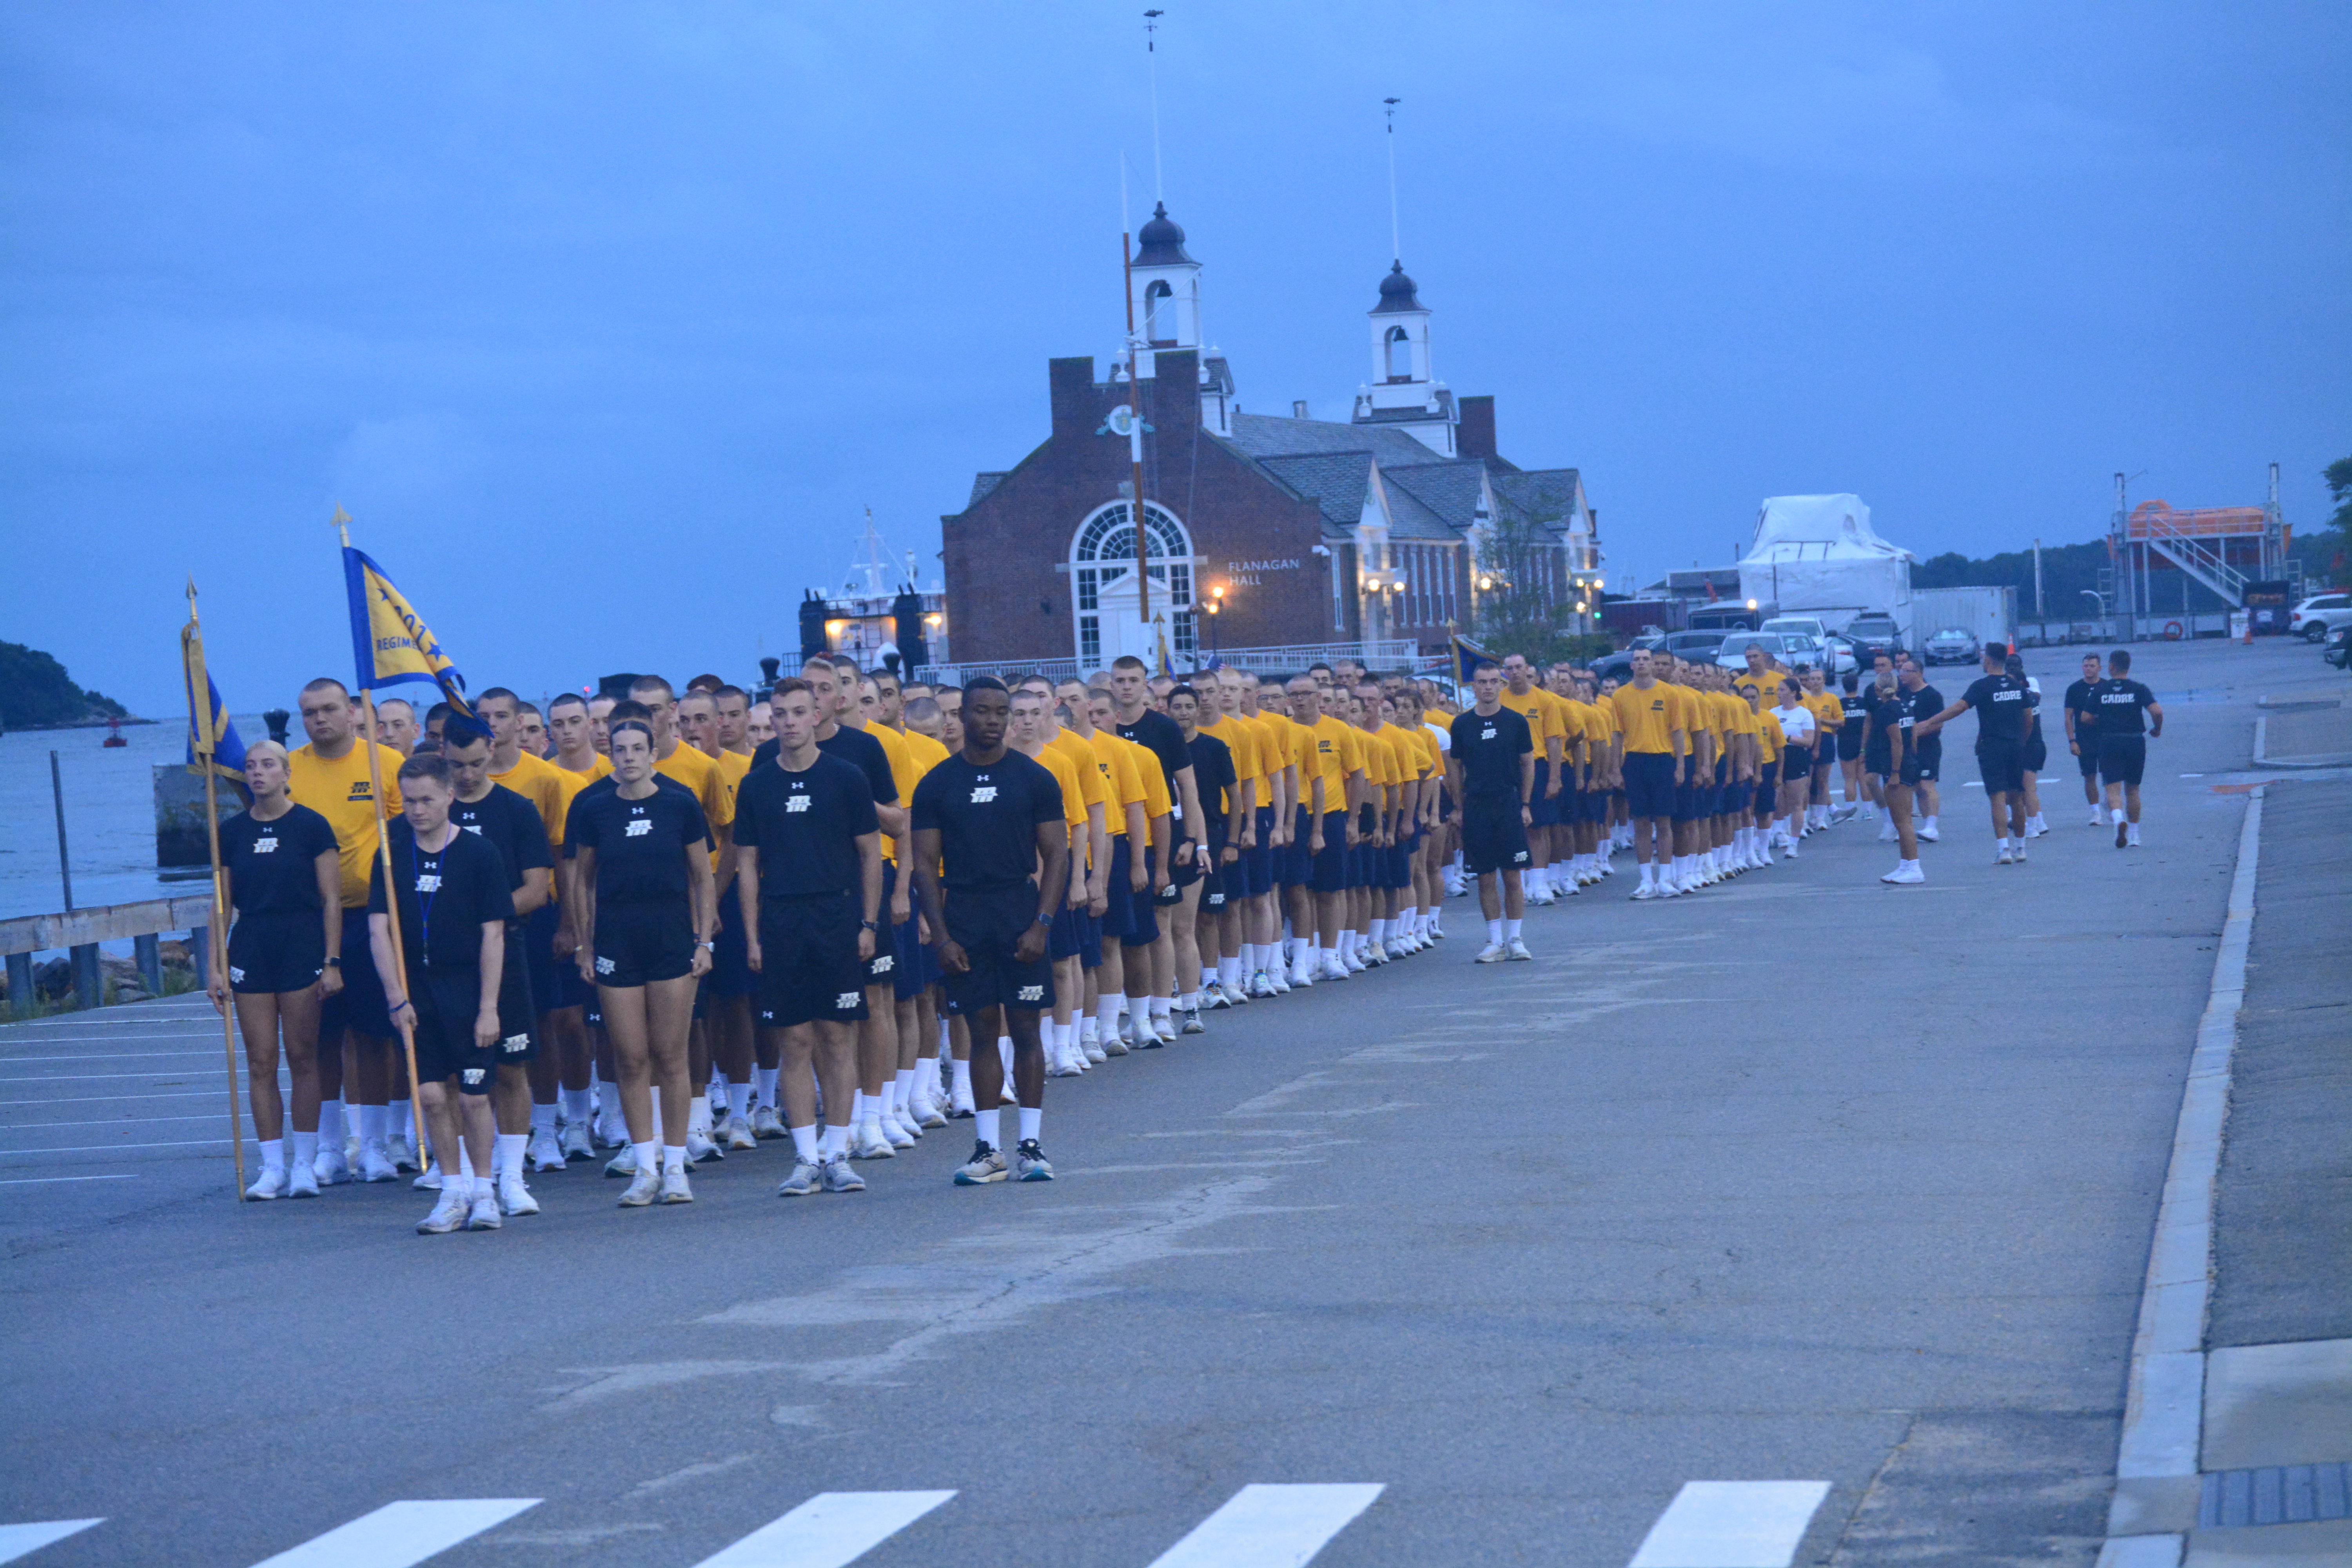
673, 1188
272, 1184
1518, 951
374, 1164
1930, 836
301, 1182
868, 1141
1644, 890
1667, 888
428, 1180
1789, 853
766, 1123
545, 1153
623, 1164
1093, 1051
737, 1133
2018, 851
1493, 953
484, 1213
1334, 968
644, 1187
700, 1149
1906, 873
400, 1151
901, 1136
448, 1214
1887, 834
2004, 858
515, 1199
1302, 974
2098, 817
927, 1112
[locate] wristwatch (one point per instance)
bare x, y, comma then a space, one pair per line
868, 925
335, 961
711, 946
1044, 919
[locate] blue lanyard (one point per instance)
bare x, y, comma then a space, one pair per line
423, 900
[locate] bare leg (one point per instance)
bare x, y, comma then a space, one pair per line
257, 1021
625, 1029
670, 1010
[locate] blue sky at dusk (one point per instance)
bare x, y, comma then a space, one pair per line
606, 323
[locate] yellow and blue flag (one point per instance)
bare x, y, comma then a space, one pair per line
1467, 656
213, 739
391, 644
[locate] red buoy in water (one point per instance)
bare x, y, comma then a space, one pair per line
114, 734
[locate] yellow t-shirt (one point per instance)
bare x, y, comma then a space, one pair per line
1337, 756
1767, 686
1066, 773
1242, 741
538, 782
1543, 719
708, 786
1085, 775
1122, 780
1827, 709
1416, 752
337, 789
1380, 759
1645, 718
1153, 777
1768, 737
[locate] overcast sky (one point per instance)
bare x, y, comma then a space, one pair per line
607, 321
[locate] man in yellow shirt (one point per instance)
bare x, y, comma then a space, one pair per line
1259, 916
1545, 727
1649, 720
1224, 932
1755, 845
1607, 807
1147, 953
1827, 709
1428, 840
1761, 679
1125, 877
1029, 733
1339, 771
330, 776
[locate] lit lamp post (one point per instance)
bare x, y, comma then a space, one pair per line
1216, 608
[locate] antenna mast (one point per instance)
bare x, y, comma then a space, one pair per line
1152, 56
1396, 245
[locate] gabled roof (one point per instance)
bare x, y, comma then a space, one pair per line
1271, 436
983, 483
1336, 482
1546, 494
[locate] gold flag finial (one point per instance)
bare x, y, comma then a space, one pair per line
342, 519
192, 596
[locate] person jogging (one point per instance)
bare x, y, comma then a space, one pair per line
1889, 757
2129, 718
997, 819
281, 871
1490, 768
2082, 720
1999, 702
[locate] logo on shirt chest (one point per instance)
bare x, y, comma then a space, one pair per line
795, 804
428, 881
265, 847
639, 828
982, 795
473, 828
1488, 734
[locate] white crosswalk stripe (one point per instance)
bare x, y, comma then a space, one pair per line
1270, 1527
1732, 1524
830, 1530
17, 1539
401, 1534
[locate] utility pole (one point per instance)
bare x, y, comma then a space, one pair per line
2037, 577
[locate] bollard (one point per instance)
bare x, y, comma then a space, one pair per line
147, 951
20, 983
89, 980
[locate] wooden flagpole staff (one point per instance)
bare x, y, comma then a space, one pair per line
383, 867
202, 741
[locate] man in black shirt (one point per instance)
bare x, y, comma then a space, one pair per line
808, 874
2082, 734
2002, 703
1222, 817
1134, 719
1922, 701
2129, 717
512, 827
997, 819
1490, 769
448, 890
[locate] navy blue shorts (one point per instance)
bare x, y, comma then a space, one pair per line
1257, 860
1764, 794
988, 926
1298, 866
915, 968
1545, 806
1400, 865
1062, 937
1118, 917
1649, 783
359, 1006
1329, 870
809, 970
639, 942
1143, 908
731, 964
282, 950
539, 949
1090, 943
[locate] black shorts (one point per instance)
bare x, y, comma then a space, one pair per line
987, 926
447, 1001
2087, 754
1927, 759
1796, 762
1649, 783
1878, 762
809, 968
640, 942
2123, 759
282, 950
1296, 868
1850, 744
2037, 752
882, 969
1331, 863
2004, 768
518, 1009
1493, 838
359, 1006
539, 927
1764, 794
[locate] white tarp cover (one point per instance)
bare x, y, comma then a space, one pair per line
1820, 553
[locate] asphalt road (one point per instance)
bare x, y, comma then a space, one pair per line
1804, 1179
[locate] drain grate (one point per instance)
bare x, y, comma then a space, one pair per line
2277, 1494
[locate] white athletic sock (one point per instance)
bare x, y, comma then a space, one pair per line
1511, 930
1107, 1016
673, 1158
542, 1118
1329, 955
858, 1109
371, 1128
1380, 933
306, 1147
2131, 833
1229, 971
833, 1143
1140, 1009
963, 1087
648, 1153
767, 1081
1030, 1121
698, 1114
805, 1143
1649, 875
576, 1103
273, 1153
331, 1124
902, 1089
739, 1099
985, 1125
1160, 1005
506, 1154
1494, 933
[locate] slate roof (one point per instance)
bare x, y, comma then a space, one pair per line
983, 483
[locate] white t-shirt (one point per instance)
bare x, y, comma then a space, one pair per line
1795, 725
1444, 736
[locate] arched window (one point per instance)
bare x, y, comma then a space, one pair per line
1159, 324
1399, 354
1103, 553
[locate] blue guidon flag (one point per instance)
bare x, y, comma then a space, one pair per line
391, 643
1467, 656
214, 743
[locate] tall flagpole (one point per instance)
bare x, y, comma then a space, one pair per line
1396, 244
1134, 383
200, 721
342, 519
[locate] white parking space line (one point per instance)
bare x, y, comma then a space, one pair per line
84, 1077
401, 1534
104, 1055
110, 1148
1270, 1527
1732, 1524
17, 1539
38, 1181
108, 1121
830, 1530
118, 1098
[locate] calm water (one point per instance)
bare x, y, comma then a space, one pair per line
110, 814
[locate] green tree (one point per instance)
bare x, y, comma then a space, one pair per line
2339, 475
36, 692
1518, 559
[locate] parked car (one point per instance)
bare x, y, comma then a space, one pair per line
1950, 646
1803, 626
1871, 635
1617, 667
2337, 649
1792, 650
1696, 647
2319, 614
1841, 654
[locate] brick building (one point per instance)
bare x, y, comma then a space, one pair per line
1302, 531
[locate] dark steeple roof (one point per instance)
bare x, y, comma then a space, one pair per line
1161, 242
1396, 293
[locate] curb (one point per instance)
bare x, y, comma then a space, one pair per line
2262, 759
2157, 1483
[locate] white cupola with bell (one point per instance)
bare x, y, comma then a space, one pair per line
1403, 391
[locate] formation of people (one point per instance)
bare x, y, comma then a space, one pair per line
656, 928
